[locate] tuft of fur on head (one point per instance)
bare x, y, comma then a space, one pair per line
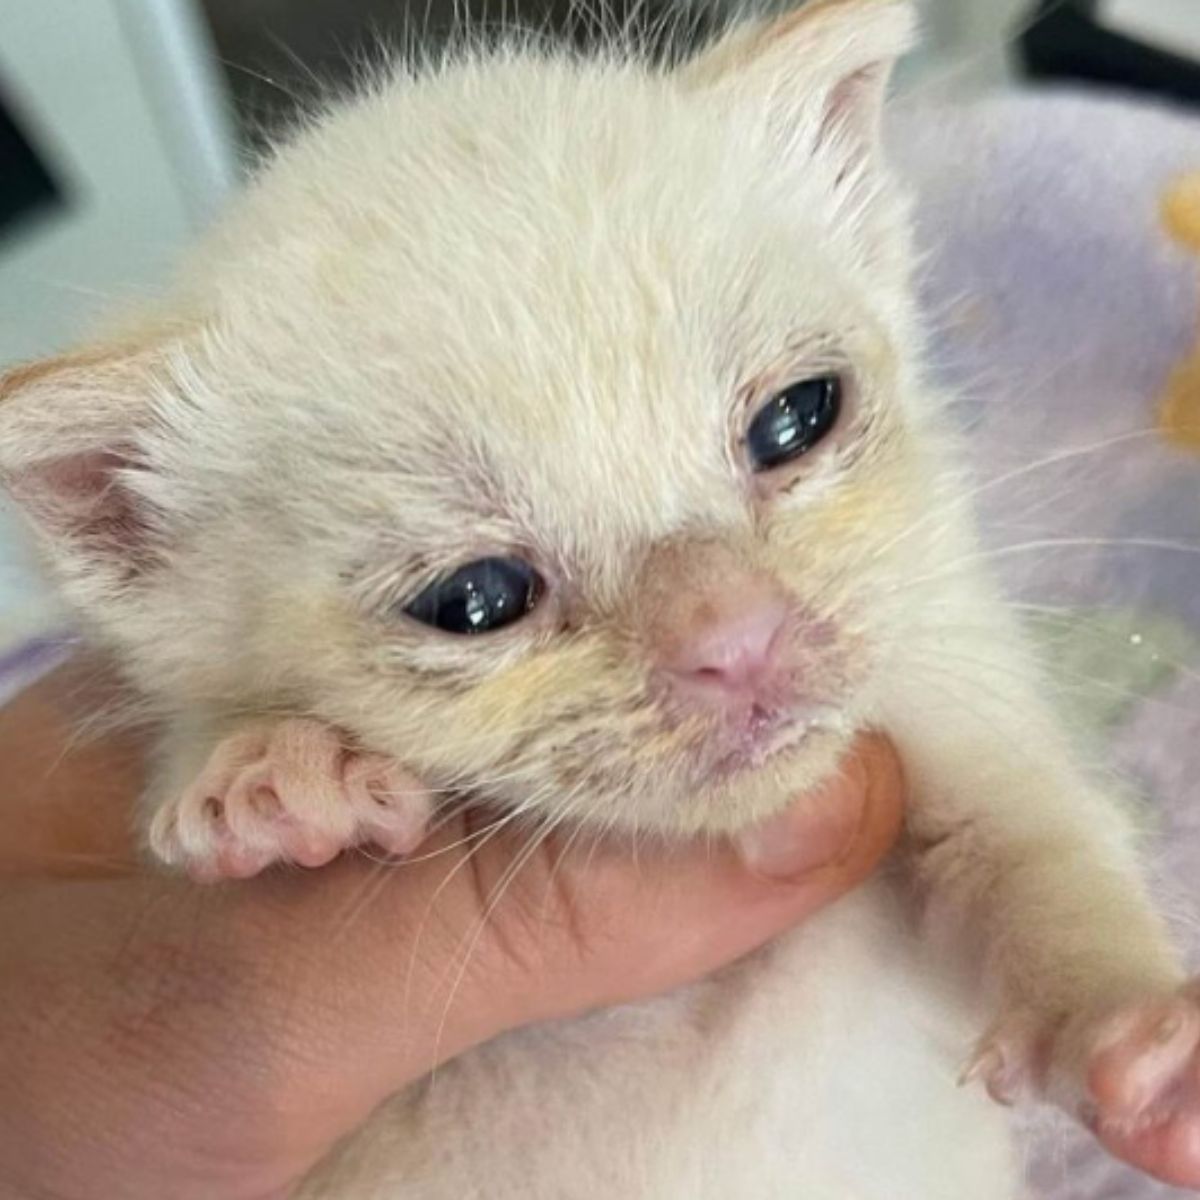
516, 301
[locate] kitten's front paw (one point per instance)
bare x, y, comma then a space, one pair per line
292, 792
1131, 1074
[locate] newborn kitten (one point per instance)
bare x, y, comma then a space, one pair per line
555, 430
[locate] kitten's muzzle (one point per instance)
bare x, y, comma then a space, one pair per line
722, 637
728, 655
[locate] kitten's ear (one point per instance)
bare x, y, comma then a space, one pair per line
819, 74
71, 455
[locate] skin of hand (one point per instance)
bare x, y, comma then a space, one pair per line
159, 1038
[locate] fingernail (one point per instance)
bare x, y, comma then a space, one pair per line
808, 836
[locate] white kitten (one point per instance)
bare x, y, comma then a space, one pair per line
618, 368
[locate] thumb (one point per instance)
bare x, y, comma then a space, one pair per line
580, 929
486, 931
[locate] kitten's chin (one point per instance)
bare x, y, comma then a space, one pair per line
741, 790
766, 742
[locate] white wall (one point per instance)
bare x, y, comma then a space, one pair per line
122, 99
1172, 24
967, 39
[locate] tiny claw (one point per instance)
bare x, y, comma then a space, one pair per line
992, 1066
985, 1064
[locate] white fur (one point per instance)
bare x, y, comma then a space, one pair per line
517, 301
824, 1069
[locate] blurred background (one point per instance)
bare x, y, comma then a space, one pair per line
125, 123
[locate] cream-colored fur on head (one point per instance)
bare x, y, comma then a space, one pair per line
520, 301
525, 302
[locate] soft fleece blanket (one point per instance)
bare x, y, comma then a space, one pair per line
1058, 309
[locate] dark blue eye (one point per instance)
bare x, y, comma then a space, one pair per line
479, 597
793, 422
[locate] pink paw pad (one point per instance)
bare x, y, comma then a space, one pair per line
290, 792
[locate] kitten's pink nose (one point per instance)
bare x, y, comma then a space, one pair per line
719, 632
728, 652
732, 650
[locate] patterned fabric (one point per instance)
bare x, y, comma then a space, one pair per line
1058, 309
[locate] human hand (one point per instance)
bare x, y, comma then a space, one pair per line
164, 1039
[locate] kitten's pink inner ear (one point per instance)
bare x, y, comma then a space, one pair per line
818, 72
68, 442
83, 496
852, 119
853, 107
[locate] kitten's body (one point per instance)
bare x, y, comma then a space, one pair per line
823, 1069
534, 308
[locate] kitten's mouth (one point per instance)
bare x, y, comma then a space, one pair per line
764, 736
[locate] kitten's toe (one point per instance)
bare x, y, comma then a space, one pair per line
1141, 1075
1135, 1058
191, 832
291, 801
196, 838
393, 806
285, 818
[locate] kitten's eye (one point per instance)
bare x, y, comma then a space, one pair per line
479, 597
793, 422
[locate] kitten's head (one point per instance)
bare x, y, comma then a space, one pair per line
549, 423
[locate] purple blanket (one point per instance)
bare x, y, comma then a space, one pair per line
1058, 308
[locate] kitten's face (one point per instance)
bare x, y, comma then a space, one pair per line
596, 325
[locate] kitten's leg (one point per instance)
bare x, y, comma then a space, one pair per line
277, 790
1022, 860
